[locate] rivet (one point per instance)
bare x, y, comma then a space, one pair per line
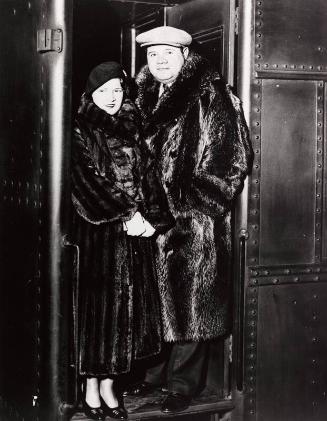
319, 124
275, 281
258, 45
319, 137
259, 35
319, 111
296, 279
257, 151
318, 210
294, 302
257, 137
315, 296
266, 65
318, 195
285, 65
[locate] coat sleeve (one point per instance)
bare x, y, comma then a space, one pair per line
225, 159
155, 201
96, 198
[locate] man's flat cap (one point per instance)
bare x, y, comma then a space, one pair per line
166, 35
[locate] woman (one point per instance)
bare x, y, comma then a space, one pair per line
120, 205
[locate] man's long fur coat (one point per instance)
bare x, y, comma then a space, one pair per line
200, 142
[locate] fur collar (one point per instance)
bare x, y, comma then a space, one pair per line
124, 124
195, 78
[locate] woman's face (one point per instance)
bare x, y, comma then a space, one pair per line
109, 96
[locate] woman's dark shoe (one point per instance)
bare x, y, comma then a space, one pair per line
117, 413
93, 413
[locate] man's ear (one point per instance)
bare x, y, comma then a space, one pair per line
185, 52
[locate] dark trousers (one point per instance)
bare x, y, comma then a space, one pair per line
182, 366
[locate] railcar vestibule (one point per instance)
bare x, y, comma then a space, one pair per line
274, 54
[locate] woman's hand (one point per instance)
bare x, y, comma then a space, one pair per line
149, 230
138, 226
135, 226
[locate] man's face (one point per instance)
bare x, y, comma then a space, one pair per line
165, 61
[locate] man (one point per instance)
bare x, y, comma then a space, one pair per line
201, 147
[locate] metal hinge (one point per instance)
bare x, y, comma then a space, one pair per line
49, 40
236, 20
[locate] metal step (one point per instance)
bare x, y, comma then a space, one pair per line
148, 408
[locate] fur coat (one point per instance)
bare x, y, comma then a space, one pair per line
113, 176
198, 135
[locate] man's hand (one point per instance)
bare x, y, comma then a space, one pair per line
135, 226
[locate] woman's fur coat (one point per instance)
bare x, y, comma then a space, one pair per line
198, 135
113, 176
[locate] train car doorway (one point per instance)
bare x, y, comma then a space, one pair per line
105, 30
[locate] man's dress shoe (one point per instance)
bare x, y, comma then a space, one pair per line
175, 402
140, 389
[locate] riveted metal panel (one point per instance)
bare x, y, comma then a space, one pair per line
290, 356
20, 204
323, 136
291, 37
289, 157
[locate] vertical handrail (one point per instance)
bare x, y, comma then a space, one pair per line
244, 75
243, 235
75, 312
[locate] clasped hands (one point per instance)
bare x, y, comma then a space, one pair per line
137, 226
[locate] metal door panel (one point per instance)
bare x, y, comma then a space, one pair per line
291, 349
286, 38
285, 273
20, 202
33, 97
288, 166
